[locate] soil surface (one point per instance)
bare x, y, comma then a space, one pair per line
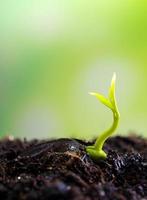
61, 170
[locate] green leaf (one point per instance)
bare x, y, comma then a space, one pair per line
112, 91
102, 99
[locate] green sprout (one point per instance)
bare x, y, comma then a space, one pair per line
96, 151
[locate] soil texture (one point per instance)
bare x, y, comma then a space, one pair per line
62, 170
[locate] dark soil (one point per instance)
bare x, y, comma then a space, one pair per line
61, 170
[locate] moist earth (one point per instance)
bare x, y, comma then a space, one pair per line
62, 170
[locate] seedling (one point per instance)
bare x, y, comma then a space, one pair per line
96, 151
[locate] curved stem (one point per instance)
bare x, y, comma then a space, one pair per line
106, 134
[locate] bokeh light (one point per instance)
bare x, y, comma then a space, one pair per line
53, 53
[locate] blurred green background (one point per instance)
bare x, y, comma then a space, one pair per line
52, 53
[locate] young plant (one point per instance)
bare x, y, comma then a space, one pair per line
96, 151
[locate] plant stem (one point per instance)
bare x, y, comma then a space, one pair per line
106, 134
